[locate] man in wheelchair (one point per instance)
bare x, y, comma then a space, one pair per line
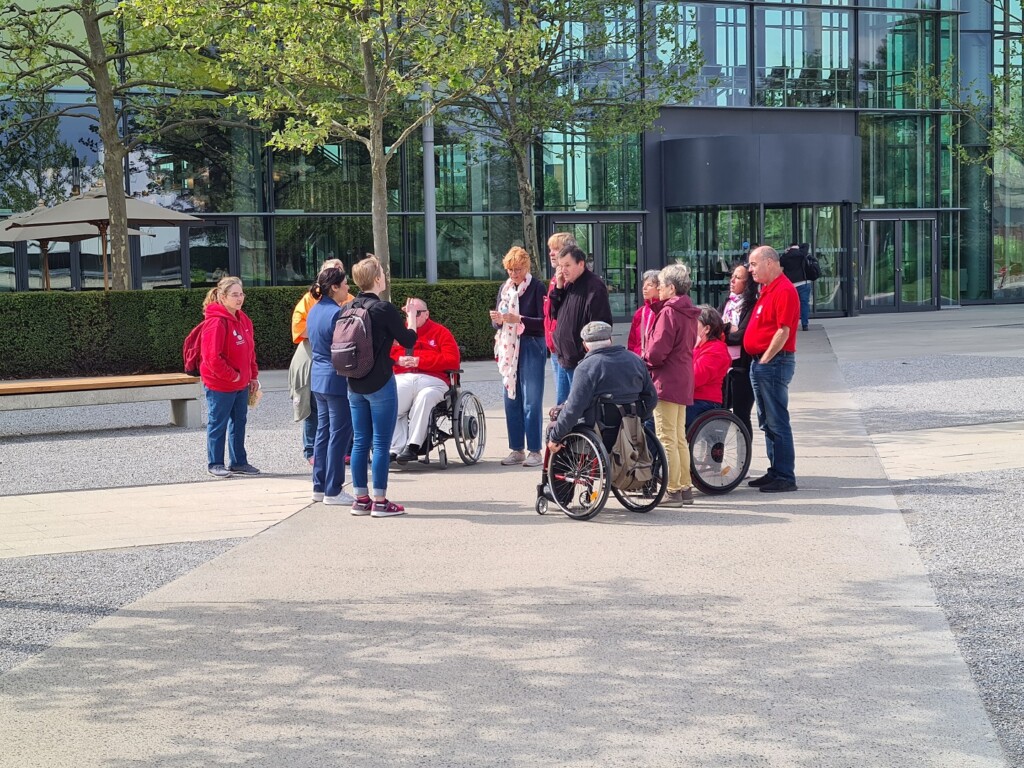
607, 369
422, 380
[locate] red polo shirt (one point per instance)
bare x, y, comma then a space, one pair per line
778, 305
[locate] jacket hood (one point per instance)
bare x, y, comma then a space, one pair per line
216, 309
682, 306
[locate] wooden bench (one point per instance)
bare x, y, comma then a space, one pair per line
181, 389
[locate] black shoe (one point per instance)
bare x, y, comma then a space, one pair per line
408, 454
778, 486
762, 480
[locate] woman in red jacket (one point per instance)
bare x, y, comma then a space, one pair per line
711, 361
229, 373
669, 358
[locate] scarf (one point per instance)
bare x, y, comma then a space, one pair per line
506, 340
731, 314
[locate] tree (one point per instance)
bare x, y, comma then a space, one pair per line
604, 71
348, 69
140, 85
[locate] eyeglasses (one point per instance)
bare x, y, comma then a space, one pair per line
236, 295
515, 270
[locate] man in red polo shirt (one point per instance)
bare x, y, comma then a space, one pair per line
771, 341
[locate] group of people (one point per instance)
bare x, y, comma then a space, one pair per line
676, 361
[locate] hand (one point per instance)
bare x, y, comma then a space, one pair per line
554, 447
406, 361
254, 385
496, 316
559, 280
511, 318
410, 321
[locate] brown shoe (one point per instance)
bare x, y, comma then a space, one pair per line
672, 499
686, 496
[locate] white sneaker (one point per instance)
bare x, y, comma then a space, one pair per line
318, 495
516, 457
342, 499
533, 459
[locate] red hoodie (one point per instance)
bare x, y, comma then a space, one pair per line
436, 349
228, 360
711, 362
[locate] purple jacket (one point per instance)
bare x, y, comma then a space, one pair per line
669, 355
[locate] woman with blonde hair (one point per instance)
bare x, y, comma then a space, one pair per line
229, 373
520, 351
373, 398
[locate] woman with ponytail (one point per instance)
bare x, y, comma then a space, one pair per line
229, 373
334, 422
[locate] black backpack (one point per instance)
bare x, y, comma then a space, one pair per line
352, 344
812, 269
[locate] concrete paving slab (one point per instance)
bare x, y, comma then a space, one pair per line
798, 630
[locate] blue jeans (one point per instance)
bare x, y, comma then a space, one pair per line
695, 410
226, 413
563, 380
770, 382
373, 421
524, 414
804, 292
309, 427
332, 435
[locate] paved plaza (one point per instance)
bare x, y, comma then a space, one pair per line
872, 619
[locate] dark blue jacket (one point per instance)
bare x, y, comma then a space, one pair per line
320, 324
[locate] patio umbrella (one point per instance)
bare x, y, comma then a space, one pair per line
91, 209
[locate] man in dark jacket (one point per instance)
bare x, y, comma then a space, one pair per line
794, 267
607, 369
579, 297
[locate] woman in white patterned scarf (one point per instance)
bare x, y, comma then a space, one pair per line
520, 351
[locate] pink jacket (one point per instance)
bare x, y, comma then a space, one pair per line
669, 354
639, 328
711, 361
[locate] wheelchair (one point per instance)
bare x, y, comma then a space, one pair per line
577, 478
719, 448
459, 416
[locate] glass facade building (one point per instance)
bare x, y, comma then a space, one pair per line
813, 123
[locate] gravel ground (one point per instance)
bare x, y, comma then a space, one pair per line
968, 529
47, 597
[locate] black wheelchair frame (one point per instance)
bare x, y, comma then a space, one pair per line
459, 416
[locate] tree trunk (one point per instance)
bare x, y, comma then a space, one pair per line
521, 159
113, 149
379, 200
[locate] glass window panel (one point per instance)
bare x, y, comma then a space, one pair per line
720, 31
778, 228
303, 243
621, 243
7, 280
829, 245
1007, 226
58, 262
898, 154
916, 278
897, 53
90, 261
473, 246
949, 259
580, 175
209, 254
474, 178
804, 58
253, 253
161, 257
880, 263
201, 169
929, 5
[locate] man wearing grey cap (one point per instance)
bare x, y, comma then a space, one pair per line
607, 369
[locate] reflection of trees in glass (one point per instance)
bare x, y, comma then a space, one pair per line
35, 164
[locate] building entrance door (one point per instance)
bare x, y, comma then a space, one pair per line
613, 247
899, 264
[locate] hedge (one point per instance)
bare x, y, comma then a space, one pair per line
60, 333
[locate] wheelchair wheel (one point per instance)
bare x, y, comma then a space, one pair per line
578, 475
469, 427
719, 452
649, 496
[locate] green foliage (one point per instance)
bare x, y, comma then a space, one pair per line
58, 333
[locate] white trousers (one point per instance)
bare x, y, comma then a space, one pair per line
418, 393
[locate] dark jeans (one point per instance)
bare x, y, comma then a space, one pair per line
770, 382
226, 414
309, 426
563, 380
742, 396
373, 423
695, 410
804, 292
525, 414
332, 438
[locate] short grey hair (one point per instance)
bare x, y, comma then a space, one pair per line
677, 275
766, 251
598, 344
650, 276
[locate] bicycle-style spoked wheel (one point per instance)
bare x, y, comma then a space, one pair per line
719, 452
578, 475
470, 427
649, 495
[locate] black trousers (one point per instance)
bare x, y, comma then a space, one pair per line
741, 394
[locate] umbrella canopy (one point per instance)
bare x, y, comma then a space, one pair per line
16, 229
91, 209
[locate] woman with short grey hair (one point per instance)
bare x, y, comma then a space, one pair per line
678, 276
643, 319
